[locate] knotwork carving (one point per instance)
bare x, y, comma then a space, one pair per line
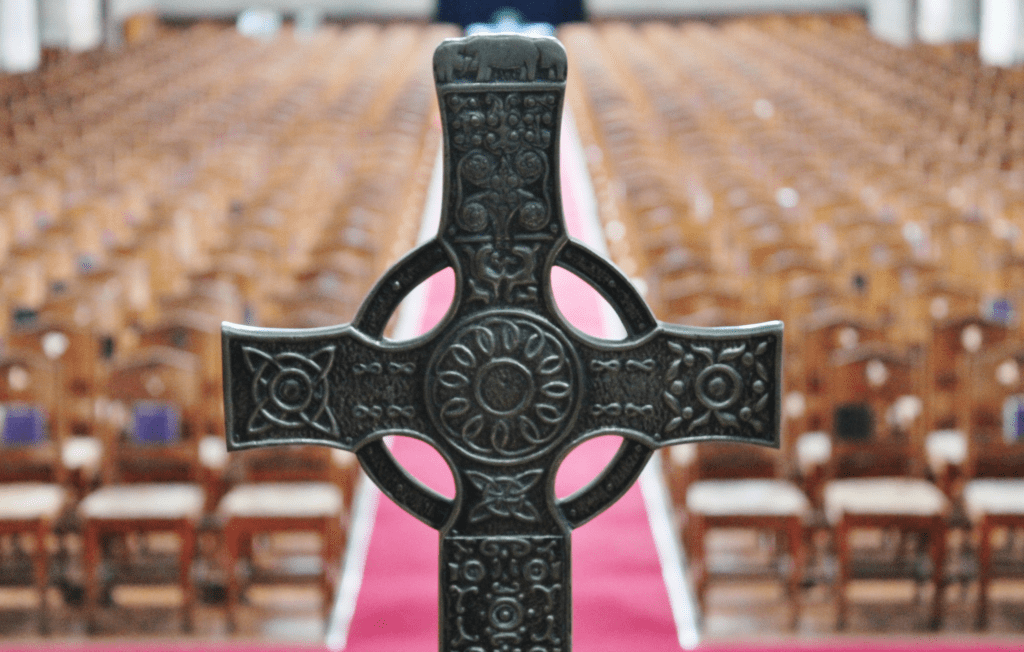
503, 188
290, 390
716, 380
508, 588
504, 495
502, 175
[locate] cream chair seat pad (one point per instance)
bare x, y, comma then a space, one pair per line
282, 499
213, 452
813, 449
167, 500
945, 448
753, 497
883, 496
999, 496
26, 501
84, 453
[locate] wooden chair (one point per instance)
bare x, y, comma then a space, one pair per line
296, 489
993, 495
955, 346
33, 492
151, 471
81, 365
874, 473
727, 488
821, 335
198, 333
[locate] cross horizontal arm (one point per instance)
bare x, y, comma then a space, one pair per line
683, 384
331, 386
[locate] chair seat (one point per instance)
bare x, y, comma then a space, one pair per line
25, 501
997, 496
746, 498
883, 496
282, 500
144, 501
82, 453
945, 448
344, 459
213, 453
813, 449
682, 455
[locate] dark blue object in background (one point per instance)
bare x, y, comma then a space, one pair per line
155, 423
465, 12
23, 426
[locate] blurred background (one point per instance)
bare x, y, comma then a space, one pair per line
852, 167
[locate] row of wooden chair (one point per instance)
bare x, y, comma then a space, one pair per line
194, 178
157, 473
799, 169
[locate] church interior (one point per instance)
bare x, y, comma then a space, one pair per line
853, 168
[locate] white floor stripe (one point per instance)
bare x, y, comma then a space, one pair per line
586, 199
652, 485
671, 555
364, 512
364, 504
411, 316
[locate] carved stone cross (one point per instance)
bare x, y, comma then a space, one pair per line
504, 387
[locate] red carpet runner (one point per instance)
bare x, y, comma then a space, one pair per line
619, 597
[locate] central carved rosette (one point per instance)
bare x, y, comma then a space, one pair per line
505, 387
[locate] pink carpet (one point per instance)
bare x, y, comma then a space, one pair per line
637, 645
619, 597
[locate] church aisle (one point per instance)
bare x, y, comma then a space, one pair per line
619, 595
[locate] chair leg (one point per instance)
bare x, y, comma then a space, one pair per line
843, 561
984, 570
41, 562
795, 536
232, 541
938, 550
187, 533
331, 552
91, 561
698, 526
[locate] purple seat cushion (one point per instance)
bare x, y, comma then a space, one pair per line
155, 424
23, 425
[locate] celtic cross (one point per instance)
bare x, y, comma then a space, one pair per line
504, 387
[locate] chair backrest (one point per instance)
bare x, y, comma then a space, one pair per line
993, 414
821, 335
831, 330
730, 462
955, 346
31, 430
152, 428
193, 331
294, 464
875, 418
79, 359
